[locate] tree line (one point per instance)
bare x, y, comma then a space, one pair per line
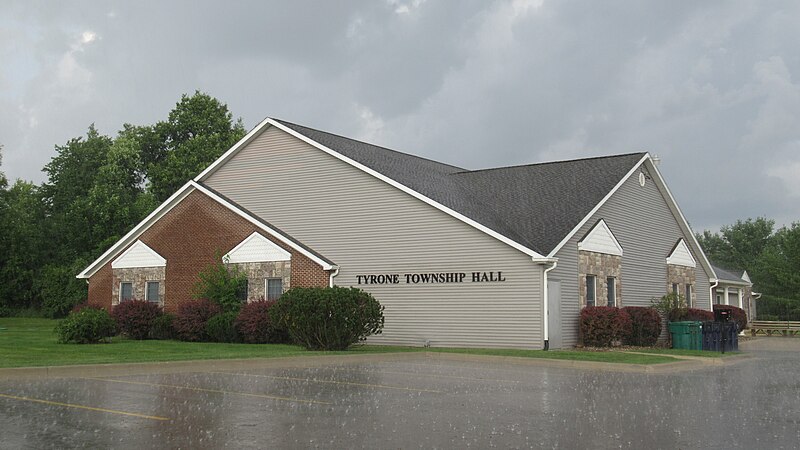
771, 258
98, 187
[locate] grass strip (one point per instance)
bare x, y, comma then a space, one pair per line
31, 342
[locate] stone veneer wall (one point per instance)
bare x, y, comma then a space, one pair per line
682, 275
257, 272
190, 237
139, 277
601, 266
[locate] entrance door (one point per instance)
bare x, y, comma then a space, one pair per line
554, 313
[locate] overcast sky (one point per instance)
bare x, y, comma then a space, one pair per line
713, 88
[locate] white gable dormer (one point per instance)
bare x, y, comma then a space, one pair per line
257, 248
681, 255
600, 239
138, 255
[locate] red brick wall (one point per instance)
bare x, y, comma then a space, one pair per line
189, 237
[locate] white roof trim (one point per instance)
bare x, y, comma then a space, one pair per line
256, 242
258, 129
170, 203
272, 232
681, 255
150, 258
746, 277
593, 241
594, 210
157, 213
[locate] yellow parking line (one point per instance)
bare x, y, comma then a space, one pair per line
216, 391
350, 383
90, 408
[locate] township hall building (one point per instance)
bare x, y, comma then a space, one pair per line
502, 257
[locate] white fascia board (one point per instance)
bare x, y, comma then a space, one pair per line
157, 213
676, 210
233, 150
272, 232
601, 226
601, 203
407, 190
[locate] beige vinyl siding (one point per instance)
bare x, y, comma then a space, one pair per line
647, 231
366, 226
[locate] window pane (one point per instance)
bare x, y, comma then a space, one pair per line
241, 292
590, 290
126, 291
689, 294
675, 288
274, 288
151, 295
612, 291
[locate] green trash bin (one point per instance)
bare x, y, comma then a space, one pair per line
686, 335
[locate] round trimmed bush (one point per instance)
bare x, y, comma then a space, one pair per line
690, 314
645, 326
87, 326
222, 328
255, 325
135, 318
328, 318
190, 321
163, 327
738, 315
602, 326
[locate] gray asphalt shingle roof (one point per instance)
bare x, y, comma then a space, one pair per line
728, 274
536, 205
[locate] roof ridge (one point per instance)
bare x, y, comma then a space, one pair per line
286, 122
550, 162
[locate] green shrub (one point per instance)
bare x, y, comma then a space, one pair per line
328, 318
222, 328
221, 284
163, 328
87, 326
60, 290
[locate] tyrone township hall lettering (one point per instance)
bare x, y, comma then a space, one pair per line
438, 277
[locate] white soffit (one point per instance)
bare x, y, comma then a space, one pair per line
257, 248
600, 240
138, 255
681, 256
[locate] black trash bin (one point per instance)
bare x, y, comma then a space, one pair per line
720, 336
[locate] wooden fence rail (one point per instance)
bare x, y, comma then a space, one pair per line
768, 327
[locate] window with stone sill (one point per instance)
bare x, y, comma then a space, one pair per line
274, 288
151, 292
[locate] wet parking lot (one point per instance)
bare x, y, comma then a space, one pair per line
413, 400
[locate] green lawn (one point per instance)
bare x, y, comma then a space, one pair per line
31, 342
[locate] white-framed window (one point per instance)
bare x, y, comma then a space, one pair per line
273, 287
151, 292
611, 283
125, 291
689, 301
591, 290
675, 288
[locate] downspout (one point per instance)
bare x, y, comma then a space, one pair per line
334, 272
713, 292
545, 306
